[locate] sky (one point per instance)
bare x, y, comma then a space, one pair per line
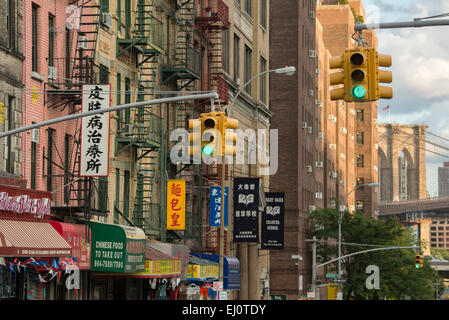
420, 72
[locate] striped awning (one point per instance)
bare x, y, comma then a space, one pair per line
20, 238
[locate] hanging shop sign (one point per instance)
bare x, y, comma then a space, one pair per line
178, 251
117, 248
246, 205
273, 221
160, 265
215, 206
76, 236
24, 203
176, 204
94, 157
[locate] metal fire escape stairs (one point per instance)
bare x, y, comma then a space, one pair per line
145, 40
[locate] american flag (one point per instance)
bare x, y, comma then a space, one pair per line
386, 108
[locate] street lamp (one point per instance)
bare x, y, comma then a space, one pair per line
286, 70
340, 212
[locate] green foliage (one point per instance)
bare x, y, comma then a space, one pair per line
342, 1
399, 279
440, 253
356, 16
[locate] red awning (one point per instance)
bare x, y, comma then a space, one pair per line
31, 239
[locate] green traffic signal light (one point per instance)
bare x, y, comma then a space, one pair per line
208, 150
417, 266
358, 92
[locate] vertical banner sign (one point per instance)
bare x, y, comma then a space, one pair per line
94, 158
246, 213
215, 206
176, 205
273, 221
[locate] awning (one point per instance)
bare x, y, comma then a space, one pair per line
231, 269
117, 248
160, 265
178, 251
76, 237
200, 269
35, 239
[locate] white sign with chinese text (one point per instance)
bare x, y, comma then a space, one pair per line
94, 157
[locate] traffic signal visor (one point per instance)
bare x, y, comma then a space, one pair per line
385, 60
230, 137
194, 137
337, 78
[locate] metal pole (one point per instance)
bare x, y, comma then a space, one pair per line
404, 24
314, 266
212, 95
222, 213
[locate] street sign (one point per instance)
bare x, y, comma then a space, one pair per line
331, 275
339, 280
278, 297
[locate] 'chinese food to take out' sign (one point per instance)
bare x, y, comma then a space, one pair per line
176, 203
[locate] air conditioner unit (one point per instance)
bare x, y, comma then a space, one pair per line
319, 164
343, 130
310, 92
374, 121
35, 135
309, 130
352, 137
318, 102
321, 135
304, 125
312, 14
309, 169
331, 117
312, 208
333, 146
51, 73
352, 112
318, 195
312, 53
335, 119
129, 128
106, 19
237, 81
342, 155
317, 70
333, 174
82, 42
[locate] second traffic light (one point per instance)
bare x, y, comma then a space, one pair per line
360, 76
419, 261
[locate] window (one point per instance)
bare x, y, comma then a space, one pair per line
51, 40
10, 23
263, 80
225, 40
67, 55
248, 7
126, 194
263, 13
127, 99
360, 160
236, 58
248, 53
359, 137
33, 165
104, 74
359, 115
119, 98
10, 154
67, 140
103, 193
359, 204
34, 35
50, 138
104, 5
117, 196
360, 181
128, 17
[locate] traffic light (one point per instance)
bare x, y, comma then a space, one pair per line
360, 76
419, 261
229, 137
210, 134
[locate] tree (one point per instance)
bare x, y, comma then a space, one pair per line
399, 278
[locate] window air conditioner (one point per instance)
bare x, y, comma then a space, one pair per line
51, 73
333, 146
35, 135
304, 125
106, 19
318, 195
319, 164
309, 169
312, 53
321, 135
82, 42
309, 130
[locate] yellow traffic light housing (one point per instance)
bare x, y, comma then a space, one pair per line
360, 76
194, 137
229, 137
419, 261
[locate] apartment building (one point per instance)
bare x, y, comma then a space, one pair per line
11, 86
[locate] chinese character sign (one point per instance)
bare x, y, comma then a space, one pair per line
246, 209
273, 221
215, 206
176, 205
94, 158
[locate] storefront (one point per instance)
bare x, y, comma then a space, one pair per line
32, 252
115, 251
78, 236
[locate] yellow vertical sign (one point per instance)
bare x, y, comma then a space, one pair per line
176, 204
332, 290
2, 112
34, 95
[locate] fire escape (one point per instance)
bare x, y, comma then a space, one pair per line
73, 194
212, 22
145, 40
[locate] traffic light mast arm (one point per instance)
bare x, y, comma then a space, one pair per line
404, 24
